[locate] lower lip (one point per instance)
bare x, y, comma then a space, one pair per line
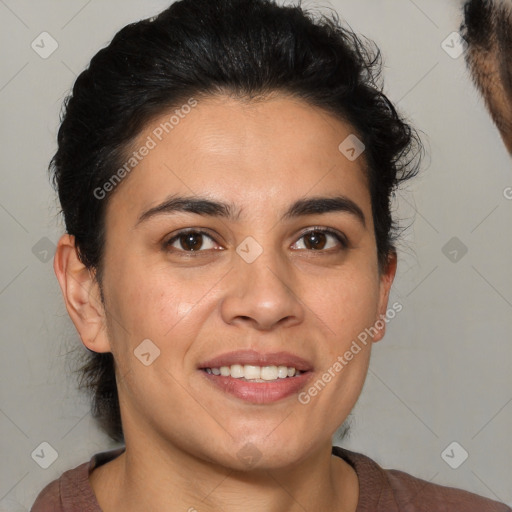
259, 392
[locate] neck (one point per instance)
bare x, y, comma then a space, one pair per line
148, 476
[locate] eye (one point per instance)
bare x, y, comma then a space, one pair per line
191, 241
317, 239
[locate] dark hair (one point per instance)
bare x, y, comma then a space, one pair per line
198, 48
487, 31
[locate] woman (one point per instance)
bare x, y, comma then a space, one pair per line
225, 172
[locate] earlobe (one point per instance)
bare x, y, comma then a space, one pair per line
81, 295
386, 280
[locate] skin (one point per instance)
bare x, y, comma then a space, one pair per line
183, 434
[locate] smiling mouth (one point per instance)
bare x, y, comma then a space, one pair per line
255, 377
252, 373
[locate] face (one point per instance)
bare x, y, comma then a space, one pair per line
263, 254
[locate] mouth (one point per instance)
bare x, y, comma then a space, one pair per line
251, 373
257, 378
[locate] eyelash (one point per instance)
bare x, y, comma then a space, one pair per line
339, 237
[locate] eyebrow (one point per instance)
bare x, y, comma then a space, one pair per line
207, 207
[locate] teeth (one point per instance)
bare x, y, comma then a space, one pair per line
252, 372
282, 372
257, 373
236, 370
269, 373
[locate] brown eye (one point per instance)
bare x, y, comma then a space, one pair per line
315, 240
321, 239
191, 241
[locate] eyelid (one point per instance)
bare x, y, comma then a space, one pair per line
199, 231
339, 236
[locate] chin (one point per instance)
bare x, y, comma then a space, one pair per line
259, 453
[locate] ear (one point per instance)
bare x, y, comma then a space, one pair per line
81, 295
386, 280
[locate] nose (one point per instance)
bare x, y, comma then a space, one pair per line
261, 295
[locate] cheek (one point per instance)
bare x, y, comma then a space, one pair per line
347, 305
330, 397
151, 302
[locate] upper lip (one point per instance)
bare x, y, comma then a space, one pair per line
252, 357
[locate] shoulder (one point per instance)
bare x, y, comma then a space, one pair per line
51, 497
391, 490
72, 491
48, 499
425, 495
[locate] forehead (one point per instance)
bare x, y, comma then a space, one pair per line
254, 154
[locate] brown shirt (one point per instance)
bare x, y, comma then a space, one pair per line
380, 490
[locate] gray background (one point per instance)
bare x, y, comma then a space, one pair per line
441, 374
